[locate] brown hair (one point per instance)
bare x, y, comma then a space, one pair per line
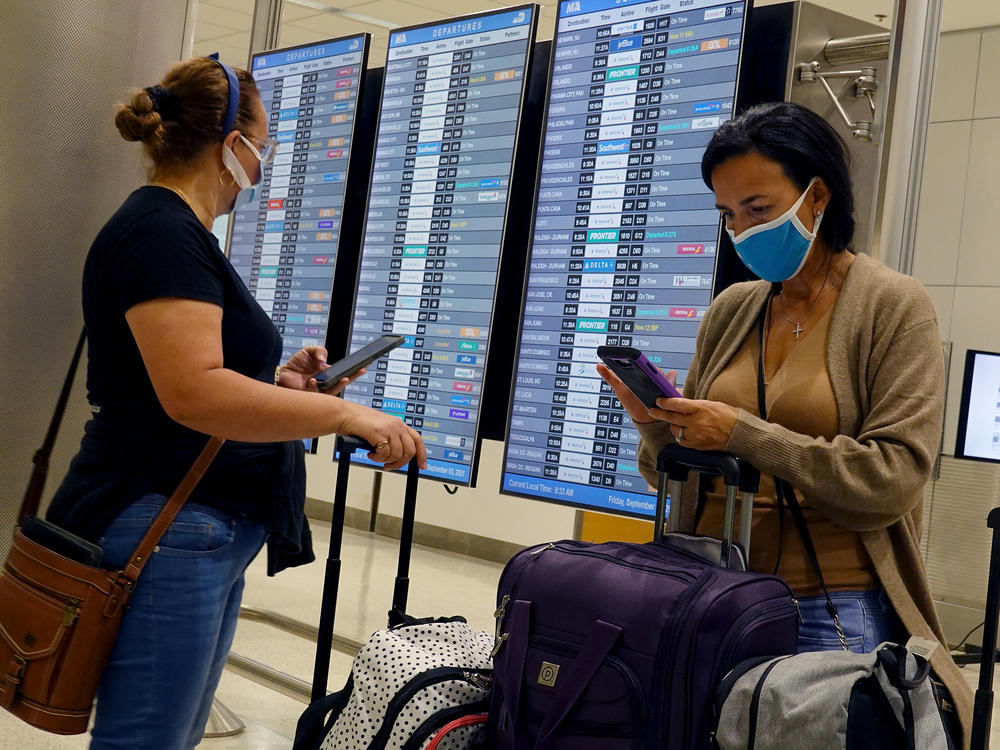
197, 91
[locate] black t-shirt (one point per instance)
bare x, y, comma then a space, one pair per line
154, 247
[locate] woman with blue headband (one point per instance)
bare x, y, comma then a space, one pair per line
178, 349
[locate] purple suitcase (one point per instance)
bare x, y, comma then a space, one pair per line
620, 646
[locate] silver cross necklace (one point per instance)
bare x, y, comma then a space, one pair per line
798, 323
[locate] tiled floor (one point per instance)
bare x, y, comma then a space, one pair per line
441, 584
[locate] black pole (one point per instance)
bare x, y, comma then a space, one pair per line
983, 712
376, 496
402, 587
331, 582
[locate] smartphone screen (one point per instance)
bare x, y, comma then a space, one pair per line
353, 362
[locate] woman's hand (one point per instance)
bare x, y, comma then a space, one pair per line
395, 441
299, 372
704, 425
630, 402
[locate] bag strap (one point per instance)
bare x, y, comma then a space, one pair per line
166, 516
786, 493
452, 726
33, 494
601, 639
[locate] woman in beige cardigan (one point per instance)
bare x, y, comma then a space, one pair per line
853, 378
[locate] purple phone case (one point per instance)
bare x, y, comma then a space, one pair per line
641, 376
668, 388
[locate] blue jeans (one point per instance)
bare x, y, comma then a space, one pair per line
867, 618
158, 687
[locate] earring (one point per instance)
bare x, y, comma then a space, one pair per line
226, 184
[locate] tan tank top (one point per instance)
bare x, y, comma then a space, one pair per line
799, 396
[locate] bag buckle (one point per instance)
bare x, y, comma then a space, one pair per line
11, 680
121, 590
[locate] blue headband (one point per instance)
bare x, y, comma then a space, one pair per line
234, 95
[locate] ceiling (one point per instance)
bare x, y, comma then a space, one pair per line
224, 25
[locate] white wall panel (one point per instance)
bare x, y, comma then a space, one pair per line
942, 202
955, 77
988, 85
979, 256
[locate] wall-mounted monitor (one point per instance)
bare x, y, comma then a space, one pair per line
979, 412
437, 209
284, 246
625, 233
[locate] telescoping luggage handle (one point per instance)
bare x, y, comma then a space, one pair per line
674, 463
345, 447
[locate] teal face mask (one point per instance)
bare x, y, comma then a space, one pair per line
777, 249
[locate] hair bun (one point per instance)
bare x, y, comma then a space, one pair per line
138, 120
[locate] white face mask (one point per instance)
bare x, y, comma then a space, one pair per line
248, 191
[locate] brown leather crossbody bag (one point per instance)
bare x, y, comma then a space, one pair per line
59, 617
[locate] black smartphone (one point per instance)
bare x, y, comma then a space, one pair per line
354, 361
642, 377
61, 541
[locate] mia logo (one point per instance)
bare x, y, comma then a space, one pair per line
572, 7
547, 674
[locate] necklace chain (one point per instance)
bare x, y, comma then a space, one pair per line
822, 290
181, 194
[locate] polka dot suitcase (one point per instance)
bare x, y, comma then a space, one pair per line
411, 680
416, 683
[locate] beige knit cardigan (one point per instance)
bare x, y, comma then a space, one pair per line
887, 372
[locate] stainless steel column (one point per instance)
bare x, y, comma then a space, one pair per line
912, 57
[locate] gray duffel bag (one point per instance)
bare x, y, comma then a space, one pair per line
835, 700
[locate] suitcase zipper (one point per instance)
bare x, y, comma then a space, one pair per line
422, 681
501, 610
726, 648
668, 637
686, 577
532, 554
757, 618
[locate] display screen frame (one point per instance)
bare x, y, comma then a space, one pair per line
525, 80
964, 404
366, 40
616, 511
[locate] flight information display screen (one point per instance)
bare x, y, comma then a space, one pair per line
437, 206
284, 245
624, 238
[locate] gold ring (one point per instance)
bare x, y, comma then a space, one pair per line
381, 444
